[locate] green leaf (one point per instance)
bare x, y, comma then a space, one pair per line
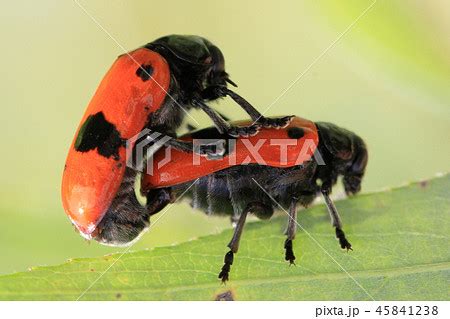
401, 252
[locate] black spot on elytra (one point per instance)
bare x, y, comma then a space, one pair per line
118, 295
97, 133
144, 72
295, 132
225, 296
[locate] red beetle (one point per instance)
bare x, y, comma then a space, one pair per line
258, 175
151, 87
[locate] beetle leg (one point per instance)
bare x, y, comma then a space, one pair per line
215, 91
233, 245
336, 221
219, 122
191, 127
157, 199
234, 219
223, 126
256, 116
291, 230
226, 118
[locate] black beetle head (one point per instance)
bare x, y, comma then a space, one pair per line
122, 224
196, 55
345, 152
188, 48
217, 75
355, 171
126, 219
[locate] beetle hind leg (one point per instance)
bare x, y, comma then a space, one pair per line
224, 274
340, 235
336, 222
289, 252
254, 207
234, 246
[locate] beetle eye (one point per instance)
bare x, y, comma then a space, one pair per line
208, 60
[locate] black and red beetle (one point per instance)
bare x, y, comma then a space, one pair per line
150, 87
244, 185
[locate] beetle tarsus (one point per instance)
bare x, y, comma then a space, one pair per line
227, 262
277, 123
246, 131
340, 235
255, 115
289, 255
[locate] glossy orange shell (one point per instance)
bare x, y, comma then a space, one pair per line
90, 180
182, 167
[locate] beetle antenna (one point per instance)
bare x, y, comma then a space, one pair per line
231, 82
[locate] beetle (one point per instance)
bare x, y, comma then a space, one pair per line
317, 155
150, 87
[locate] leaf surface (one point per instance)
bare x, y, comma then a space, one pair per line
401, 252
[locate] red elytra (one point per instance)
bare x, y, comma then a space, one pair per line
91, 180
274, 148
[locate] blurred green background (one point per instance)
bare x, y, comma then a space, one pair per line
387, 79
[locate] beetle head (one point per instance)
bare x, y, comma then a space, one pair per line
126, 219
355, 171
345, 152
123, 223
199, 58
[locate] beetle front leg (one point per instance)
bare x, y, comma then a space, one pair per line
336, 221
214, 92
291, 230
223, 126
256, 116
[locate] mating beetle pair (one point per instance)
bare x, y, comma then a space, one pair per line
151, 88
